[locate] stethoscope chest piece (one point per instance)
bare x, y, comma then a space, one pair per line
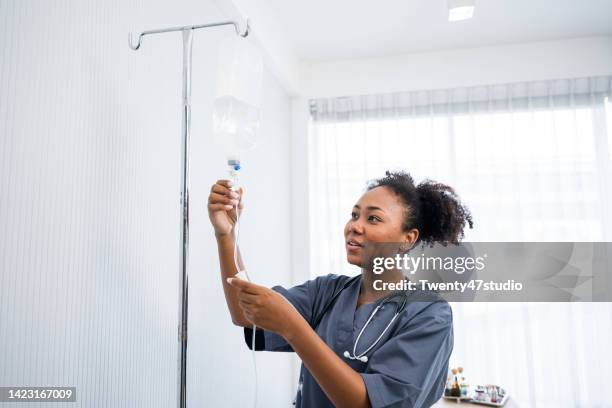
363, 359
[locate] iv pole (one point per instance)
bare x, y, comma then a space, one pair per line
184, 197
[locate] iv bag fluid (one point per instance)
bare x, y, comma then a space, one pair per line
235, 125
237, 105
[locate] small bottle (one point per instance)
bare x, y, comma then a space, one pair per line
480, 394
463, 385
447, 387
494, 394
455, 389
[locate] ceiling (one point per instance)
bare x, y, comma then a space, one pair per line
321, 30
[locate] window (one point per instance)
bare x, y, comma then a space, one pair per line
532, 162
535, 172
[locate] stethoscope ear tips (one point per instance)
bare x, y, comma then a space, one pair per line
364, 359
346, 354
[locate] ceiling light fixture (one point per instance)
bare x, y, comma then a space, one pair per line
460, 9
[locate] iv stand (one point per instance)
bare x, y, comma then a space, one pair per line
184, 197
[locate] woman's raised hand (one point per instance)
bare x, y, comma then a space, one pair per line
222, 203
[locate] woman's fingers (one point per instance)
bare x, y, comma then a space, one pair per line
250, 311
221, 193
220, 207
224, 190
217, 198
222, 197
219, 188
249, 298
244, 305
224, 187
247, 310
245, 286
224, 183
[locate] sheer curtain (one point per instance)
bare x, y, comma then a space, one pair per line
532, 162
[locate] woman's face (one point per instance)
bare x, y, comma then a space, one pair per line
377, 217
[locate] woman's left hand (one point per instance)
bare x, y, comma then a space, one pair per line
264, 307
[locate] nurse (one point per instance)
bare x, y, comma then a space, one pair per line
359, 347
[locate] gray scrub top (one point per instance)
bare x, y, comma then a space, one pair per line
409, 365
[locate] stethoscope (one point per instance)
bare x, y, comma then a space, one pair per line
362, 356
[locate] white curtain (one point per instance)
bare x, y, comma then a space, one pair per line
532, 162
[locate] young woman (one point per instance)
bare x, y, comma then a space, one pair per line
360, 347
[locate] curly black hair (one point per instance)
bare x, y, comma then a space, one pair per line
433, 208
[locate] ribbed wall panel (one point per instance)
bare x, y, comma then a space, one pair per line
89, 214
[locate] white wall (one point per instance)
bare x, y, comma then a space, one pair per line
89, 214
569, 58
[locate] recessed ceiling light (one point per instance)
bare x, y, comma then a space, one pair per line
460, 9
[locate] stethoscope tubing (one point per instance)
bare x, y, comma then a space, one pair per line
362, 356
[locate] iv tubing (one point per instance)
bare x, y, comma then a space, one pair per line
249, 279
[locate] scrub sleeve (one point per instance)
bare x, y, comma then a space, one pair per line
305, 298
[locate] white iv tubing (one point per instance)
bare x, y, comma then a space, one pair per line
237, 227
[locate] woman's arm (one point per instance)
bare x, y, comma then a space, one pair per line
342, 385
225, 246
270, 311
222, 203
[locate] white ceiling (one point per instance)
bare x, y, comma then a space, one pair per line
321, 30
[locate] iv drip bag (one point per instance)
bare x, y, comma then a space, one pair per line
237, 103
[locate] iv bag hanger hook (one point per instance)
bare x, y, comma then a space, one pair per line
191, 27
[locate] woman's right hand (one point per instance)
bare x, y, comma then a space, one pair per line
222, 203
